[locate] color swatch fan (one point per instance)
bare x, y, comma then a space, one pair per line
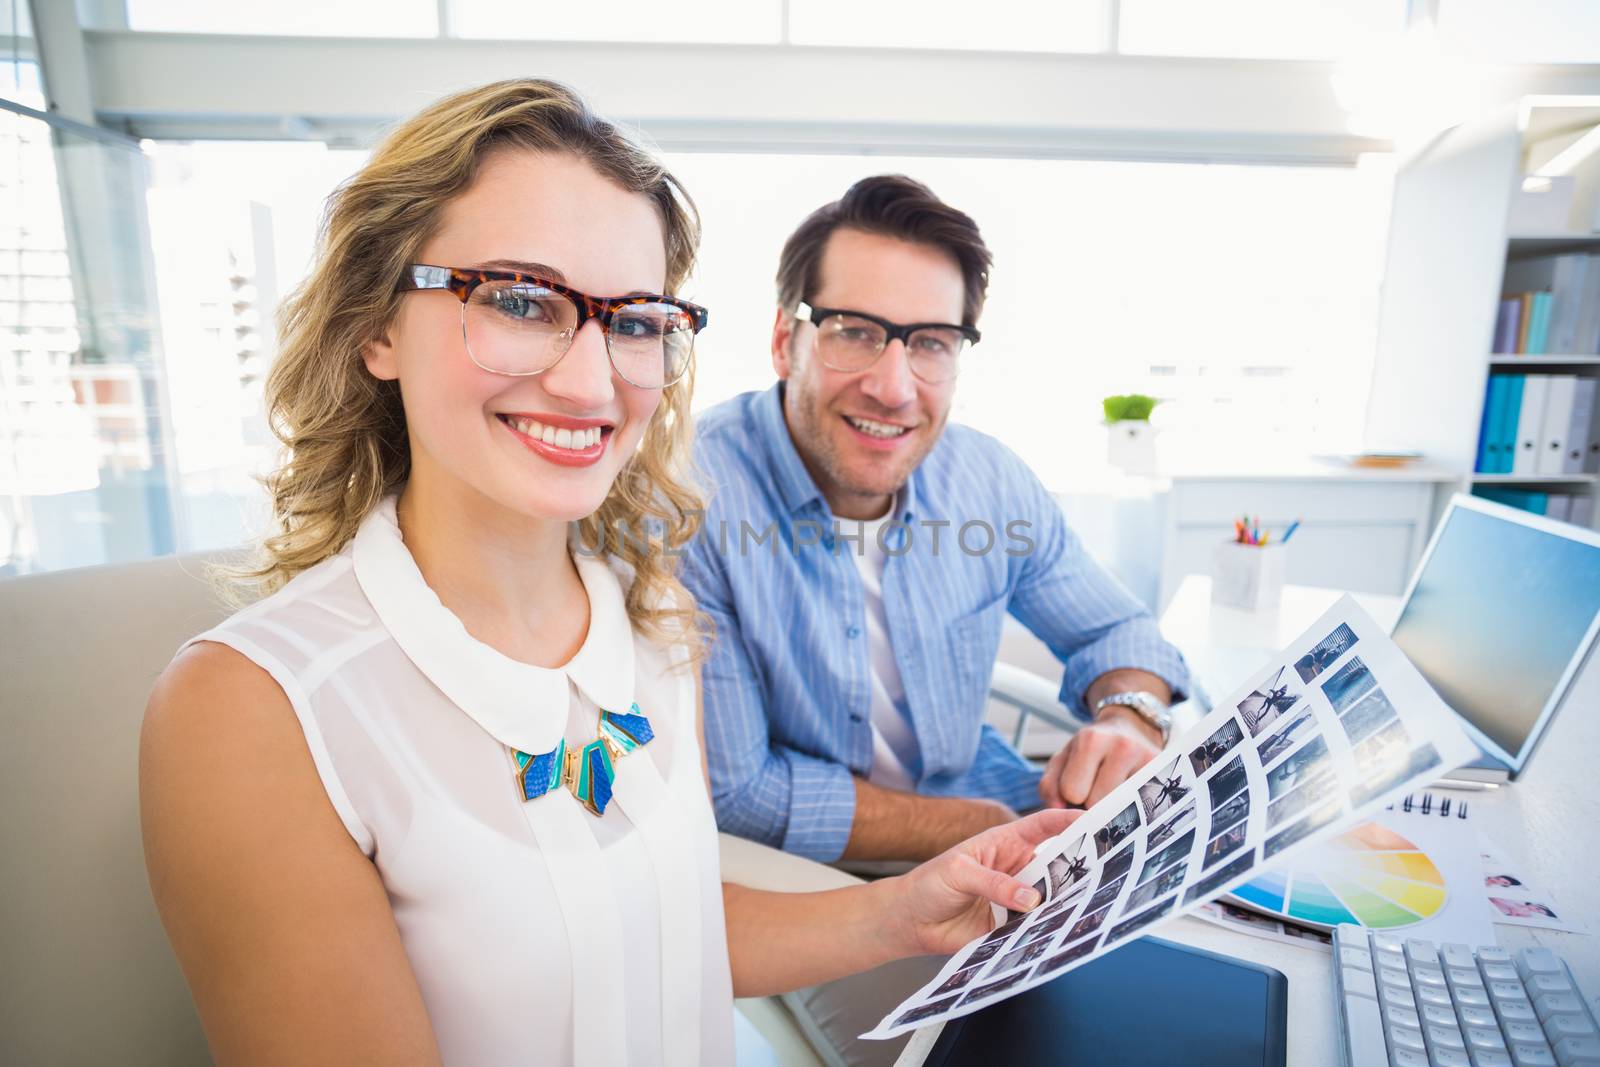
1370, 876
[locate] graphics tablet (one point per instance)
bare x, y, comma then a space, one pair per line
1149, 1002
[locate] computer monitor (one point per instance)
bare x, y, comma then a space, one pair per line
1499, 617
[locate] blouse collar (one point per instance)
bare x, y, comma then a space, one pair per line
517, 703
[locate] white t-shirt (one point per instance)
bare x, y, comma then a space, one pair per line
895, 755
537, 931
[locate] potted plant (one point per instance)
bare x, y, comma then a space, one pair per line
1130, 439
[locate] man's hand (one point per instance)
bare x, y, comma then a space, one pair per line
1100, 757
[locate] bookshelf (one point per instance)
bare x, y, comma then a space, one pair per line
1537, 362
1454, 233
1535, 480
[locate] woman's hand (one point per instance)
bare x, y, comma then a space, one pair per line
944, 903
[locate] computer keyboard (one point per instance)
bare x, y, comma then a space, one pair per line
1410, 1003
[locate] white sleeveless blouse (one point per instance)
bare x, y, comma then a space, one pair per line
538, 932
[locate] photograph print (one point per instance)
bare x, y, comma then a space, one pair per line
1328, 650
1140, 921
956, 981
1052, 909
1005, 929
1523, 909
1268, 701
1228, 781
999, 985
1165, 791
1061, 903
1309, 761
1163, 833
987, 951
1103, 896
1117, 830
926, 1011
1071, 955
1288, 808
1389, 745
1088, 924
1233, 811
1116, 866
1170, 879
1222, 846
1174, 852
1380, 779
1348, 684
1304, 828
1211, 751
1369, 715
1280, 742
1069, 868
1042, 931
1021, 956
1214, 881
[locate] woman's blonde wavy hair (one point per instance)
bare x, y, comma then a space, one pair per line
344, 431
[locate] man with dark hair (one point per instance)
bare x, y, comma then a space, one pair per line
859, 556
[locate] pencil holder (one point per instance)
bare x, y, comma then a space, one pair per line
1248, 577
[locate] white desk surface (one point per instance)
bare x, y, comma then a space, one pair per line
1547, 821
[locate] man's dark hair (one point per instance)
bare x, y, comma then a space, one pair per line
894, 206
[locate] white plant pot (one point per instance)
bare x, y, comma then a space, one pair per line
1131, 445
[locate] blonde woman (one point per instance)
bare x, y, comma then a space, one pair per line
439, 796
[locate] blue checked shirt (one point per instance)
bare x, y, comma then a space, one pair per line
788, 683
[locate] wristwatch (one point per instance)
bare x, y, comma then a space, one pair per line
1147, 706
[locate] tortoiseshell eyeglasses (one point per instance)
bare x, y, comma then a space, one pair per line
522, 324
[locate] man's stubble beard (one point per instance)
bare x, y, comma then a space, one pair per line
817, 446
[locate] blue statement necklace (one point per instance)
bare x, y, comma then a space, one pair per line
588, 772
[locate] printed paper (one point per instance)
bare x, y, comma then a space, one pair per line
1336, 727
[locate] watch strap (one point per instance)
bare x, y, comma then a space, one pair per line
1146, 705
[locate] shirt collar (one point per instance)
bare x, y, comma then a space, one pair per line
794, 482
517, 703
788, 470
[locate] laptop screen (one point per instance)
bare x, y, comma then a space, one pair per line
1495, 619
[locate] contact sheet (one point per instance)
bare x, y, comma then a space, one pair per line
1337, 726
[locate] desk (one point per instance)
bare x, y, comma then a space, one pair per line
1548, 821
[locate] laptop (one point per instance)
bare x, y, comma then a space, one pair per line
1499, 618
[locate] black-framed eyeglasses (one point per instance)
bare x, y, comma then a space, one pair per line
853, 340
522, 324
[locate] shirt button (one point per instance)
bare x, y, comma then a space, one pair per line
853, 631
854, 717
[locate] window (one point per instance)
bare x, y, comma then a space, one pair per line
124, 434
1257, 29
19, 63
1245, 296
998, 25
84, 457
711, 21
232, 228
316, 18
1554, 31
